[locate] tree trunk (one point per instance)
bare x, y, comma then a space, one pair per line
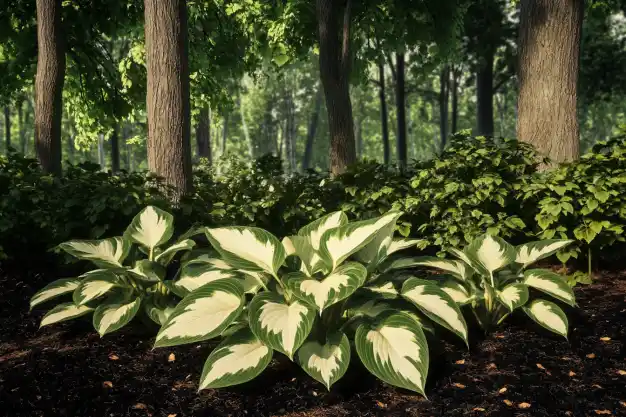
115, 149
549, 51
310, 136
49, 85
335, 66
444, 79
7, 126
383, 111
401, 111
101, 160
169, 147
224, 134
203, 133
290, 133
484, 96
21, 125
244, 127
455, 100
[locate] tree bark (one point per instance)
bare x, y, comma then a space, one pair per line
401, 111
115, 149
101, 160
7, 127
383, 111
203, 133
484, 95
549, 51
310, 136
169, 147
444, 80
49, 85
335, 66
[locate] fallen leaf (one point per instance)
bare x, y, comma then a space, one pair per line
566, 358
499, 336
596, 386
622, 403
523, 405
502, 390
381, 405
492, 366
172, 415
140, 406
171, 358
314, 394
572, 373
540, 366
603, 412
456, 384
508, 402
113, 357
591, 355
605, 339
478, 409
107, 384
621, 372
460, 362
568, 413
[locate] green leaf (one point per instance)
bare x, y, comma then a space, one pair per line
529, 253
62, 312
456, 291
158, 312
203, 314
328, 362
104, 253
281, 326
249, 248
316, 229
393, 348
378, 248
112, 316
513, 295
551, 284
490, 253
54, 290
148, 271
337, 286
456, 268
96, 284
548, 315
165, 257
436, 304
150, 228
239, 358
194, 276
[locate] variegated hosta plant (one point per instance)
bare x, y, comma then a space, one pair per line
317, 295
131, 275
493, 278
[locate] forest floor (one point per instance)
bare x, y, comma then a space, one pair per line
68, 370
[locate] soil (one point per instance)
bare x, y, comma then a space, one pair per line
522, 370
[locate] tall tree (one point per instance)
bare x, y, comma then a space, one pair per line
401, 111
169, 147
444, 94
203, 133
49, 85
310, 136
382, 97
549, 49
484, 94
335, 66
7, 126
115, 149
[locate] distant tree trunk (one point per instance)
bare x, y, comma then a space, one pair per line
49, 85
203, 133
444, 80
358, 131
335, 67
383, 111
290, 133
455, 100
401, 111
21, 125
244, 127
115, 149
549, 51
484, 95
101, 159
169, 146
7, 126
224, 134
310, 136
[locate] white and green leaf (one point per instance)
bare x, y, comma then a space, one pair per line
378, 248
150, 228
529, 253
194, 276
148, 271
238, 359
104, 253
281, 326
457, 268
158, 312
550, 283
457, 291
393, 347
112, 316
63, 312
489, 253
95, 285
513, 295
548, 315
54, 290
165, 257
328, 362
316, 229
203, 314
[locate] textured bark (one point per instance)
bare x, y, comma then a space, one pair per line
455, 100
310, 136
169, 147
7, 126
49, 85
444, 80
115, 149
335, 66
484, 96
383, 111
203, 133
549, 50
401, 111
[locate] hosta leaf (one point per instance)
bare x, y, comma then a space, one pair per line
339, 243
456, 268
95, 285
550, 283
62, 312
378, 247
104, 253
207, 259
151, 227
194, 276
248, 248
368, 308
288, 245
513, 295
531, 252
383, 289
393, 348
238, 359
148, 271
158, 313
327, 362
112, 316
398, 244
281, 326
337, 286
436, 304
316, 229
460, 254
312, 261
489, 253
456, 291
203, 314
165, 257
253, 281
548, 315
53, 290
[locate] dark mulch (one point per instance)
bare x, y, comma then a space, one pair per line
67, 370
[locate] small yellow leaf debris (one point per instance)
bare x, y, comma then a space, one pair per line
140, 406
172, 415
540, 366
171, 358
621, 372
107, 384
523, 405
456, 384
508, 402
491, 366
499, 336
566, 358
381, 405
603, 412
572, 373
113, 357
478, 409
605, 339
460, 362
502, 390
591, 355
622, 403
596, 386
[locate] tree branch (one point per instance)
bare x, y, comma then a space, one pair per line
502, 82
